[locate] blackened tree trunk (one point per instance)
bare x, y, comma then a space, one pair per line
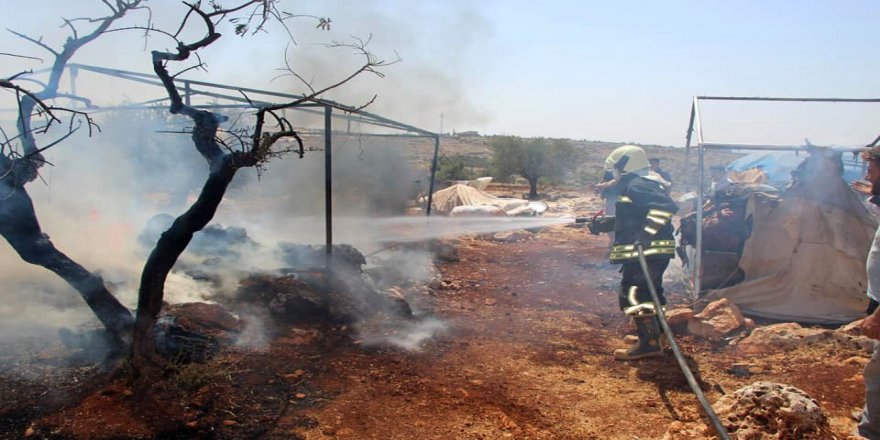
18, 219
20, 227
255, 150
222, 168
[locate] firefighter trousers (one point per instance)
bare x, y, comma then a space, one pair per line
634, 285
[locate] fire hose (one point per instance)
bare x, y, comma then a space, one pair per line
707, 408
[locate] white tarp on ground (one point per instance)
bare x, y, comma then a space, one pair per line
805, 258
445, 200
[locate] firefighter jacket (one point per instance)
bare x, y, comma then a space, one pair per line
644, 214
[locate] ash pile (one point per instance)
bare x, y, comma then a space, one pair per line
317, 286
381, 302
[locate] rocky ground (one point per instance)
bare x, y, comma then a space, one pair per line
521, 349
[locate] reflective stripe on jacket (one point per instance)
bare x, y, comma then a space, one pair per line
643, 211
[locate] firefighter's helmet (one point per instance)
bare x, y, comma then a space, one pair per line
627, 159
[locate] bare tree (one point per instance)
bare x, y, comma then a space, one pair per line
225, 153
21, 158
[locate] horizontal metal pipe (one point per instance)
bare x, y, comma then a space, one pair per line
759, 98
716, 146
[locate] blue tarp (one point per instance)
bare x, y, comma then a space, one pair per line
778, 165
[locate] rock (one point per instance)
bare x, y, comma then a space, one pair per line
29, 432
451, 285
444, 250
435, 283
761, 411
865, 343
719, 319
780, 337
229, 423
490, 301
853, 328
512, 236
855, 360
767, 410
678, 319
345, 432
749, 323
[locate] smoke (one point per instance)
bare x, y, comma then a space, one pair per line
409, 336
106, 188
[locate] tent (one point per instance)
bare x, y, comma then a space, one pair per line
778, 165
445, 200
805, 258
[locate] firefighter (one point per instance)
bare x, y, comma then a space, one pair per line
643, 215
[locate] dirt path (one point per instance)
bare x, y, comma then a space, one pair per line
527, 356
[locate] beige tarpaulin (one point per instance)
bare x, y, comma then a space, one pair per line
805, 258
445, 200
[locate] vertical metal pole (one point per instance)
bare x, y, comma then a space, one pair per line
328, 180
433, 173
687, 150
186, 93
698, 257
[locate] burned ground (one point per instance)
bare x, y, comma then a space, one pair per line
531, 326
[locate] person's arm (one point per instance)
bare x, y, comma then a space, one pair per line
605, 185
871, 325
608, 180
861, 187
660, 209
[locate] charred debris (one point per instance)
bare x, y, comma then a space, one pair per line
313, 287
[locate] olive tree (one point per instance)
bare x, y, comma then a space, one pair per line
531, 158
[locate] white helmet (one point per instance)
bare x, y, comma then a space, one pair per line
627, 159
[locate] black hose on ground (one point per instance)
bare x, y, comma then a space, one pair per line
707, 408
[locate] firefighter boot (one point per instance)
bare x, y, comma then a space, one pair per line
649, 340
633, 340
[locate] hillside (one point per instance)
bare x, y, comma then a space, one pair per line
476, 153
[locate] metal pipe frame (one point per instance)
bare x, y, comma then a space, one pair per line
363, 116
328, 181
190, 90
695, 124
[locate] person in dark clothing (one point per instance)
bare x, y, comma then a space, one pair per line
643, 216
655, 167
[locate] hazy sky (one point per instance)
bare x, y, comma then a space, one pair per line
602, 70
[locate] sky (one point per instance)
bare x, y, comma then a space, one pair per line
615, 71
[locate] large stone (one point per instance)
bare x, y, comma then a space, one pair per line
781, 337
719, 319
444, 250
767, 410
678, 319
512, 236
761, 411
854, 328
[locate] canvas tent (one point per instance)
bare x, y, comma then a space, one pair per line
445, 200
805, 258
